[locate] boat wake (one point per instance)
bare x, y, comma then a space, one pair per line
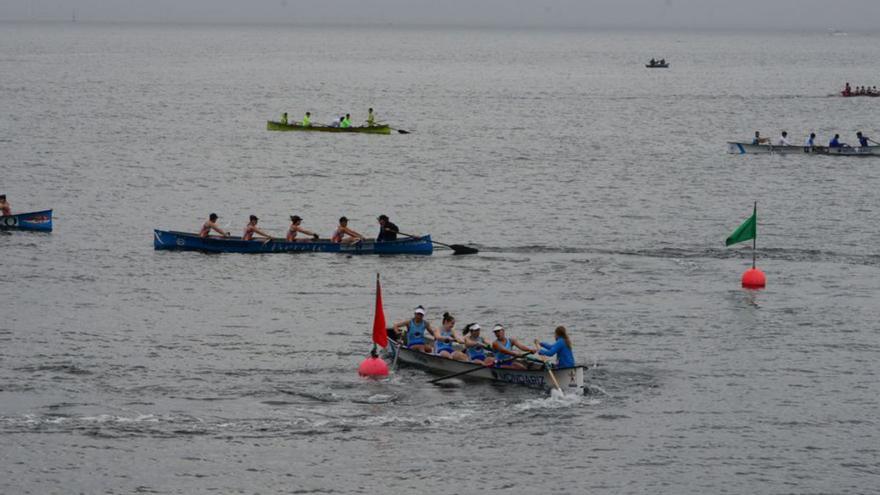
556, 400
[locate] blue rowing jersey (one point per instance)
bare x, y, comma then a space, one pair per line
834, 143
564, 357
415, 333
500, 357
477, 351
443, 345
863, 141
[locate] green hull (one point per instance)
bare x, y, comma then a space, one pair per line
278, 126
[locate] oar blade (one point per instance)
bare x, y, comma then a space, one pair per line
401, 131
461, 249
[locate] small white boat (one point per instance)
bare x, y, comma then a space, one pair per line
571, 380
738, 148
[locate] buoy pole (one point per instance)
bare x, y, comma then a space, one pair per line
755, 239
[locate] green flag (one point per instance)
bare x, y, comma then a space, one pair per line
747, 231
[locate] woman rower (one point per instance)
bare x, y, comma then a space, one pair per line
505, 354
295, 220
445, 337
415, 331
345, 235
475, 346
251, 229
561, 348
5, 207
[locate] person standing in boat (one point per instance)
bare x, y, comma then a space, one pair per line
371, 119
504, 351
345, 235
210, 225
783, 140
759, 140
475, 346
445, 337
284, 118
863, 140
251, 229
387, 230
307, 120
345, 123
561, 348
5, 207
294, 228
413, 330
835, 142
810, 142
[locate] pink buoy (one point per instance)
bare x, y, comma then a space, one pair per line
754, 279
373, 366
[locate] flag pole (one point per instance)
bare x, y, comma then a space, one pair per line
755, 238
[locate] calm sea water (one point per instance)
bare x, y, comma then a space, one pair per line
599, 193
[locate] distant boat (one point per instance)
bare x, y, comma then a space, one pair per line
35, 220
749, 149
657, 65
371, 129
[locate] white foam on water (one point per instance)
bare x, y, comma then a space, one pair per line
556, 400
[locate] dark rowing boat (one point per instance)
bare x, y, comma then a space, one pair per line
183, 241
35, 220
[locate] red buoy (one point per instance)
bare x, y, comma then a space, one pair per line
373, 366
754, 279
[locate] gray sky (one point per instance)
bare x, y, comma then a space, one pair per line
699, 14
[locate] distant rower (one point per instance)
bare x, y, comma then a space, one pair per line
5, 207
810, 141
371, 119
783, 140
284, 118
345, 235
210, 225
387, 230
251, 229
835, 142
295, 220
345, 123
863, 140
759, 140
307, 120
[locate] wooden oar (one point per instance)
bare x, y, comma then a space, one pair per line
456, 248
553, 378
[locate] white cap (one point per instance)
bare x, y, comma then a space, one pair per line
475, 326
420, 310
498, 327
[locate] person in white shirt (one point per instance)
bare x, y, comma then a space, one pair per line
783, 140
810, 141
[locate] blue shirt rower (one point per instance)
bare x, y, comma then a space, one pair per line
561, 348
413, 331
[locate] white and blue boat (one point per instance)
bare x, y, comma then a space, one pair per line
35, 220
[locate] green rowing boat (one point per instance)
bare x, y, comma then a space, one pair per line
373, 129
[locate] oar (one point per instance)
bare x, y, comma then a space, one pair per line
553, 377
456, 248
475, 368
401, 131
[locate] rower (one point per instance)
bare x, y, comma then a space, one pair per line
662, 61
371, 119
783, 140
561, 348
652, 62
307, 120
294, 228
446, 337
345, 235
5, 207
387, 230
345, 123
847, 90
759, 140
503, 348
251, 229
863, 140
810, 142
210, 225
284, 118
835, 142
415, 331
475, 346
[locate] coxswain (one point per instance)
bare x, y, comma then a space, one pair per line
810, 142
345, 123
835, 142
387, 230
445, 337
561, 348
783, 140
5, 207
307, 120
284, 118
345, 235
251, 229
505, 354
863, 140
371, 119
210, 225
475, 346
413, 330
294, 228
759, 140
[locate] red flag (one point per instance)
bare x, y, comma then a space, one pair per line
380, 335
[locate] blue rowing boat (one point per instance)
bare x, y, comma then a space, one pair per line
35, 220
183, 241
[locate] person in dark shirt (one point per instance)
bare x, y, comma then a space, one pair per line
387, 230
